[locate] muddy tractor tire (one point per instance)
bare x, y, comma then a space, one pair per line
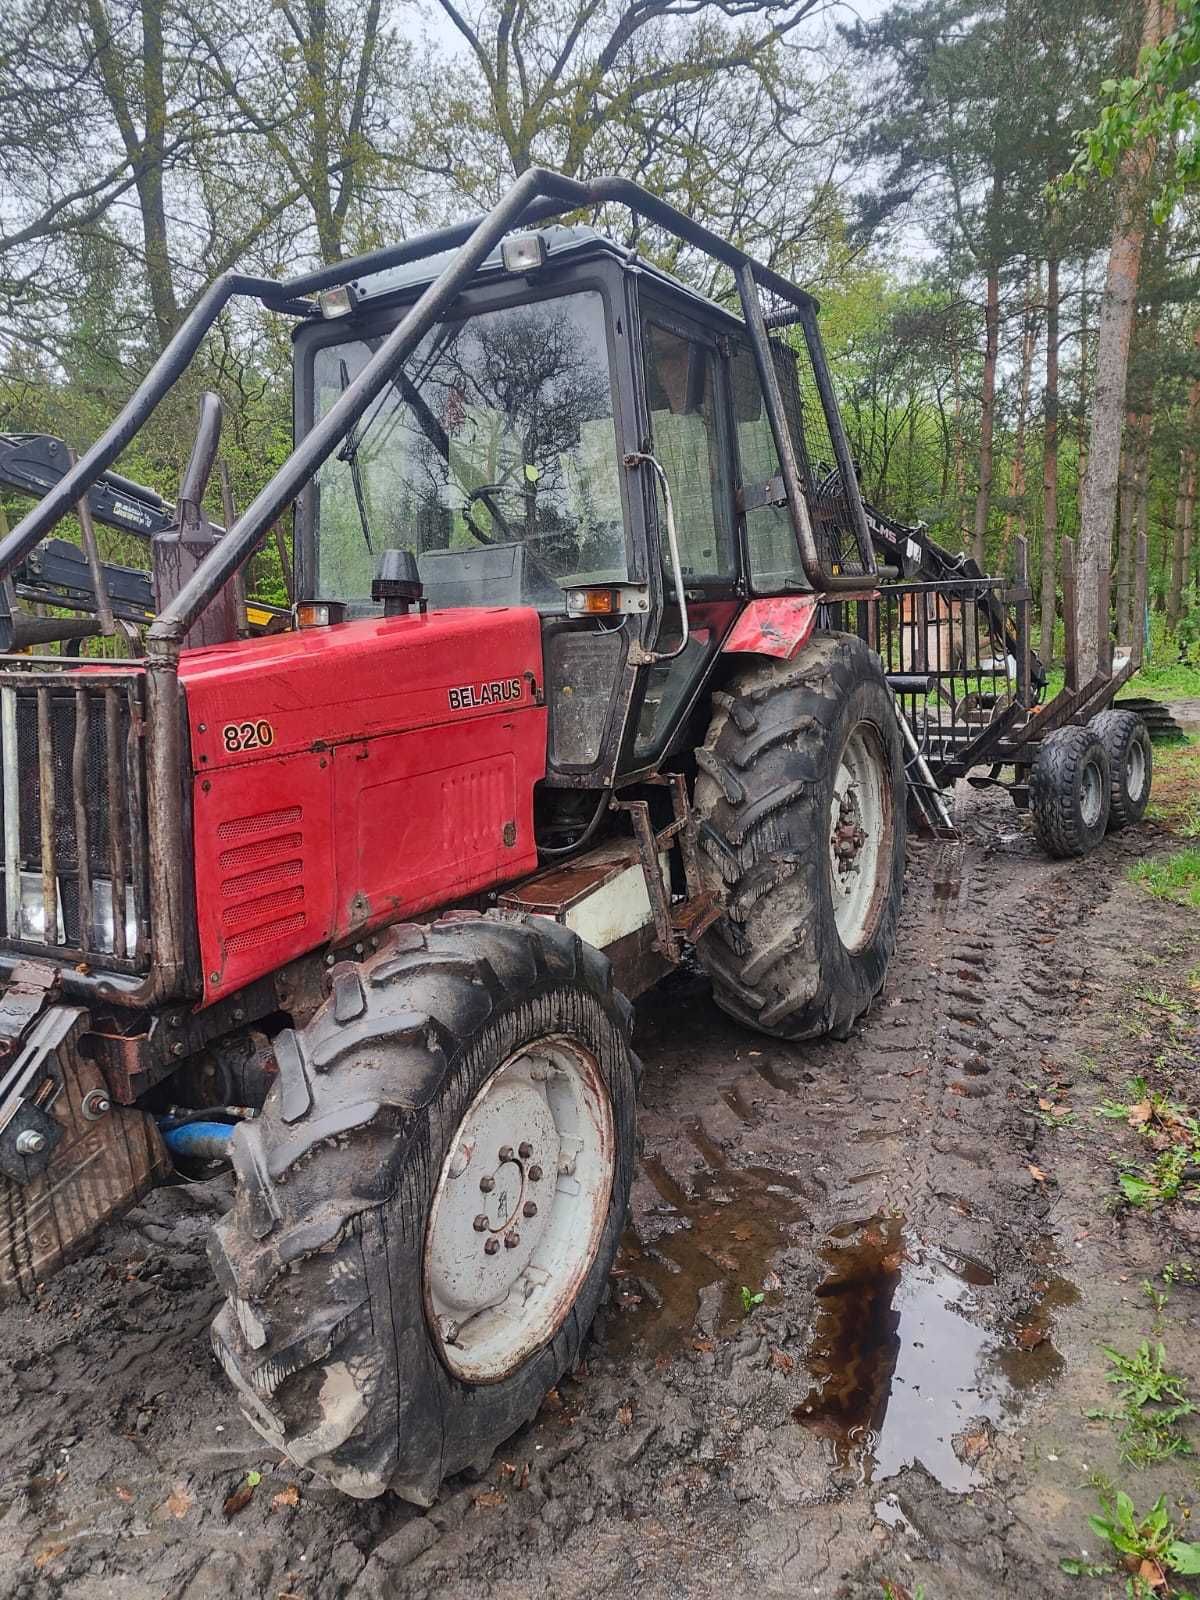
1131, 765
801, 799
1069, 792
429, 1205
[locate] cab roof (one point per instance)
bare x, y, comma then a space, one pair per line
564, 244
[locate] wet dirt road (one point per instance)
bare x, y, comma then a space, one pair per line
903, 1405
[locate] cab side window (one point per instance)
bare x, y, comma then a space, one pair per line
770, 537
681, 393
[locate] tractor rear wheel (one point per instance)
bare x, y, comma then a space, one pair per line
1069, 791
430, 1201
1131, 765
801, 796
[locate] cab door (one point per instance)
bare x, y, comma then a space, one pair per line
688, 433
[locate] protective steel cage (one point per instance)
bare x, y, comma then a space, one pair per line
73, 814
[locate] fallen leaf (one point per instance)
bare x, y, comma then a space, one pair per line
782, 1362
705, 1346
1152, 1574
742, 1232
1046, 1105
179, 1502
970, 1447
523, 1479
286, 1497
124, 1494
553, 1401
488, 1499
1036, 1172
238, 1500
1140, 1113
625, 1415
1030, 1336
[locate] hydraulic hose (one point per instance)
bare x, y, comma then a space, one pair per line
203, 1141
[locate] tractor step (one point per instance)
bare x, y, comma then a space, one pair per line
693, 917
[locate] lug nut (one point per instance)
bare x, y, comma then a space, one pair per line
506, 1152
481, 1223
96, 1104
487, 1184
30, 1142
530, 1208
535, 1173
491, 1246
512, 1240
525, 1150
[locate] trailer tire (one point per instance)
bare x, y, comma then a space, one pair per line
1069, 791
803, 946
1131, 765
351, 1250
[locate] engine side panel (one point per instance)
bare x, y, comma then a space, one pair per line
345, 777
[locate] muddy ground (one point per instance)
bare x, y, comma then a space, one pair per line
939, 1264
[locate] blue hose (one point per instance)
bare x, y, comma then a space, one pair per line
204, 1141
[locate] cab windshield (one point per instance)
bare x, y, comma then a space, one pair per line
492, 457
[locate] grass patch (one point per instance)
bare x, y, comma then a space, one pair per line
1175, 796
1175, 877
1170, 1131
1153, 1402
1171, 680
1148, 1548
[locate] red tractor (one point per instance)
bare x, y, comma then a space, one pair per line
586, 667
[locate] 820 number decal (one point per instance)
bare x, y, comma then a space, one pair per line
239, 736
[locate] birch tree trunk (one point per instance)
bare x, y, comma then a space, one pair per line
1050, 464
1184, 500
1112, 364
1014, 517
987, 412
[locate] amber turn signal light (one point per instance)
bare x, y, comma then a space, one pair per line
593, 602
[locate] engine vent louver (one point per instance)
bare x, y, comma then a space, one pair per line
262, 882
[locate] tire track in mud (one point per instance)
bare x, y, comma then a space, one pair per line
672, 1459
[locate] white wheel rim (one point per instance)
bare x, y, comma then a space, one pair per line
860, 831
519, 1209
1135, 770
1091, 795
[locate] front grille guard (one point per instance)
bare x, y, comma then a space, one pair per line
91, 835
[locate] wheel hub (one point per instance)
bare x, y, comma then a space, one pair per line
860, 831
519, 1209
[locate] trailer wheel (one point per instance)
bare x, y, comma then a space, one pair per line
801, 798
430, 1203
1069, 791
1131, 762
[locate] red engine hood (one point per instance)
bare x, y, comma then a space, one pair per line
350, 776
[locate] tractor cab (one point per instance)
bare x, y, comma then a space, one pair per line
571, 415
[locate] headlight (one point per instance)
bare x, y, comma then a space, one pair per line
102, 918
33, 911
33, 915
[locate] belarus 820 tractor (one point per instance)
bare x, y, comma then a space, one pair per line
596, 658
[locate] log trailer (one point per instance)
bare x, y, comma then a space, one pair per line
596, 658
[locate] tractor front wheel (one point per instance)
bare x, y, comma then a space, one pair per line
430, 1202
801, 798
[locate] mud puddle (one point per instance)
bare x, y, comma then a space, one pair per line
900, 1372
694, 1253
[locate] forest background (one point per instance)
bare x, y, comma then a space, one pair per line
995, 203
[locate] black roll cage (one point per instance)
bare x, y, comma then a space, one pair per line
536, 196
